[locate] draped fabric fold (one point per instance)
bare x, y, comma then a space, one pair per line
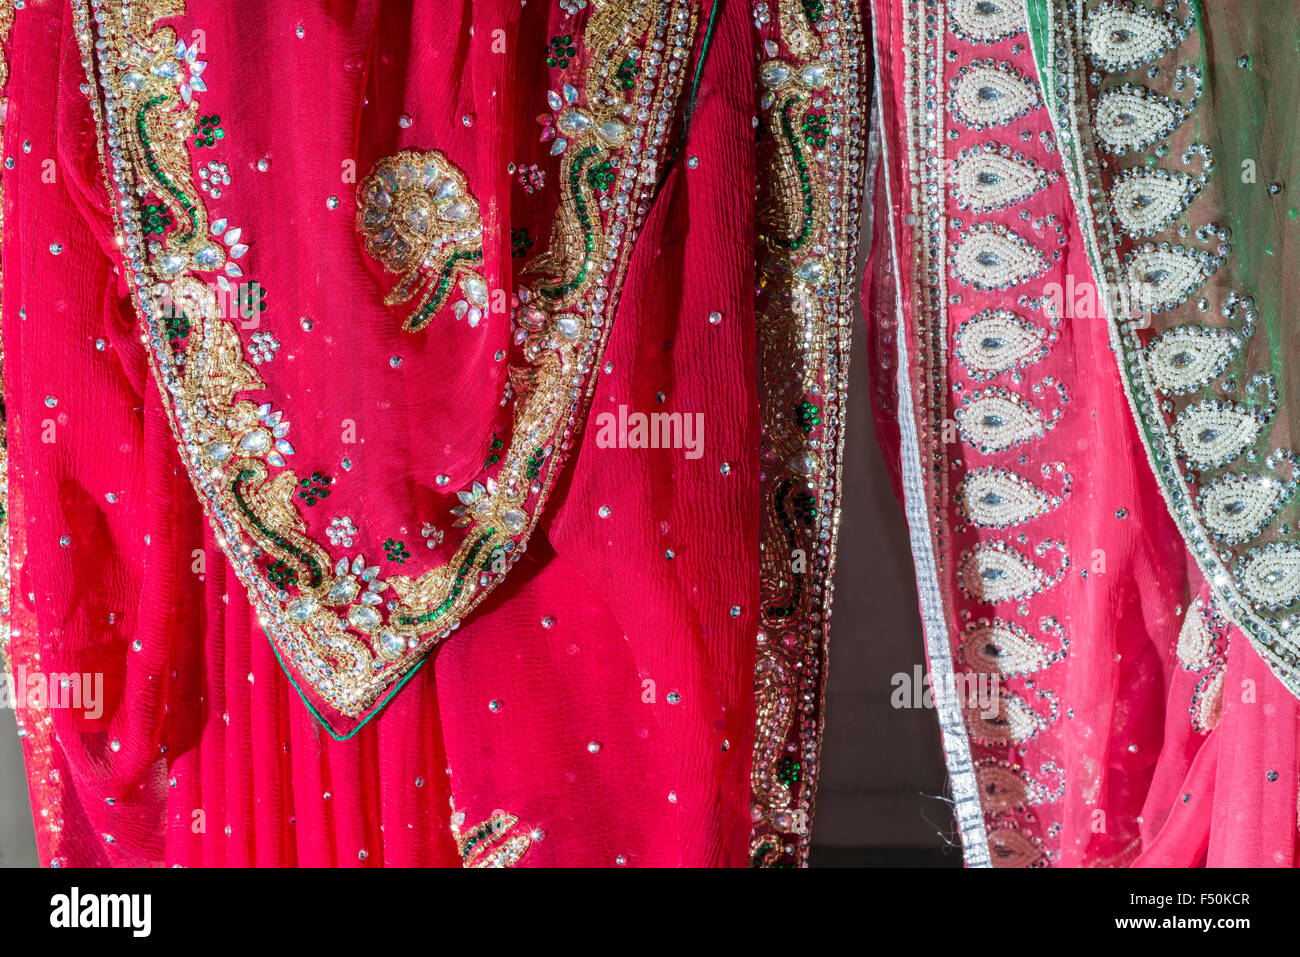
1092, 405
470, 551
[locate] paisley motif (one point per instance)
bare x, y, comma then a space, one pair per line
1012, 721
993, 420
995, 340
999, 498
1211, 433
1185, 358
1131, 117
1159, 278
1270, 575
346, 637
1008, 847
994, 571
1196, 646
1235, 508
989, 256
416, 216
1207, 701
1145, 201
987, 21
1005, 786
1002, 647
990, 177
1123, 36
987, 93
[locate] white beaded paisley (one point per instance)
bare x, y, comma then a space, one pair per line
987, 21
999, 498
995, 340
990, 177
990, 256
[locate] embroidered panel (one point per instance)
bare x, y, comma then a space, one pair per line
346, 633
811, 168
1125, 84
992, 357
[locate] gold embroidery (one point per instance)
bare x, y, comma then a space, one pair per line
416, 215
810, 199
491, 843
333, 627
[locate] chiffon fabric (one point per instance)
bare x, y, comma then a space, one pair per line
1135, 722
372, 583
597, 707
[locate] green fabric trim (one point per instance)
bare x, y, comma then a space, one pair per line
374, 711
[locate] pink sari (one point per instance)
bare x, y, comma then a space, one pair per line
1060, 557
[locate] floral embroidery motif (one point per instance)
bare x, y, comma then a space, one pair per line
396, 551
811, 155
345, 644
341, 531
416, 215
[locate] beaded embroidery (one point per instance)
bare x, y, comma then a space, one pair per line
1185, 358
990, 177
416, 215
6, 24
331, 618
993, 420
987, 21
1121, 35
999, 498
1006, 786
987, 93
989, 256
954, 538
995, 571
1199, 442
811, 150
1001, 647
490, 844
995, 340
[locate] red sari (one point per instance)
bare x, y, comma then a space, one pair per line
325, 310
